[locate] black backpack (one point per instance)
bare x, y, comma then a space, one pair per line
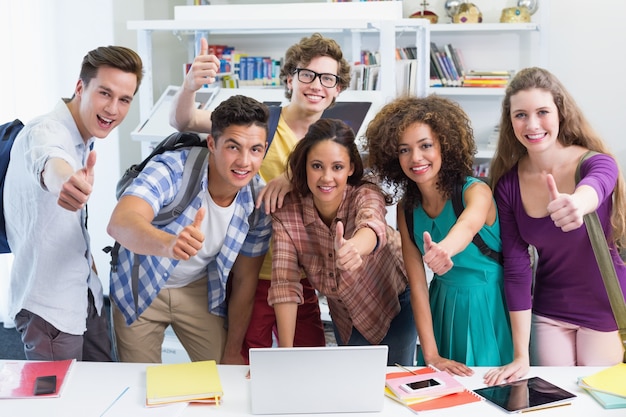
458, 206
8, 132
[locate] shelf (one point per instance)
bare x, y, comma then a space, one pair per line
264, 26
467, 91
484, 27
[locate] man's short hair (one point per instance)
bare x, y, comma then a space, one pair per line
119, 57
240, 111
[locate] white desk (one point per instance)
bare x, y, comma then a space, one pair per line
92, 387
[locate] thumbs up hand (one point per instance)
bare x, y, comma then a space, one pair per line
564, 210
190, 239
75, 191
204, 68
347, 256
435, 256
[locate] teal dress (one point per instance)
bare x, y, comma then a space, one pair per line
470, 317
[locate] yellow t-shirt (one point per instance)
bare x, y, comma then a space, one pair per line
274, 165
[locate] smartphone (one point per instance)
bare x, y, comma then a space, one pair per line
45, 384
412, 387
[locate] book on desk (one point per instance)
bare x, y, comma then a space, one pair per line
34, 379
608, 386
183, 382
431, 402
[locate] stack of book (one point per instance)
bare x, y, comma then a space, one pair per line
607, 387
427, 389
498, 79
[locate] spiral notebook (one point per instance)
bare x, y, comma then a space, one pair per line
338, 379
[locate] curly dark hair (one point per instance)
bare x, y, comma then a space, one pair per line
324, 129
238, 110
450, 126
302, 53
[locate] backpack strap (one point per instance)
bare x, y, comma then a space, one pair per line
272, 124
458, 206
197, 161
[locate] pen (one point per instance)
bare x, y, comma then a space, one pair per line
405, 369
114, 401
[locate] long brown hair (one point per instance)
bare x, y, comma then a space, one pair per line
574, 129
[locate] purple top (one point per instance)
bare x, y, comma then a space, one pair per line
568, 283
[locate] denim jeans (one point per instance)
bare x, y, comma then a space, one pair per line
401, 338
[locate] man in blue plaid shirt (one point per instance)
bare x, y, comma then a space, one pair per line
183, 268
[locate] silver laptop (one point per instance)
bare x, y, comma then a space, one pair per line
338, 379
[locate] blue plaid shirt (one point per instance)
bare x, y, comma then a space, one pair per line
158, 184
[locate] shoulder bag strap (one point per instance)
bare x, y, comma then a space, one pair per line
605, 263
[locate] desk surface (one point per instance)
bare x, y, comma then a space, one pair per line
92, 387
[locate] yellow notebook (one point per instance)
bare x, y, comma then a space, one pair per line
189, 381
610, 380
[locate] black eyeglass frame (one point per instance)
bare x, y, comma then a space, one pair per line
297, 72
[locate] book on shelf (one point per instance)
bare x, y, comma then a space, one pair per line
34, 379
406, 76
487, 78
608, 401
450, 67
456, 59
183, 382
611, 380
433, 401
434, 59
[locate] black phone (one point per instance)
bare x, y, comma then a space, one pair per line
417, 385
45, 384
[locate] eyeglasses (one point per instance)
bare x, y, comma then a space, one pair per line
307, 76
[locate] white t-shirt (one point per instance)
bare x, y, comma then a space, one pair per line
214, 226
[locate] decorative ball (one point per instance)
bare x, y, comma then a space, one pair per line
426, 15
515, 15
451, 7
467, 13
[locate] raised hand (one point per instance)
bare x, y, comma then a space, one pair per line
203, 70
435, 256
190, 239
563, 208
347, 256
76, 190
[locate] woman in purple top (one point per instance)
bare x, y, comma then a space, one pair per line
564, 314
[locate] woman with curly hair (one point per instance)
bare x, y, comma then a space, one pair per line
562, 312
424, 148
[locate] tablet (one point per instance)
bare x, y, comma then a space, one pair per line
526, 395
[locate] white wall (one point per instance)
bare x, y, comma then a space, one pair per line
41, 64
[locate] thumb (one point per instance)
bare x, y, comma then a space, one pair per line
554, 192
197, 221
428, 242
339, 235
204, 47
91, 163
